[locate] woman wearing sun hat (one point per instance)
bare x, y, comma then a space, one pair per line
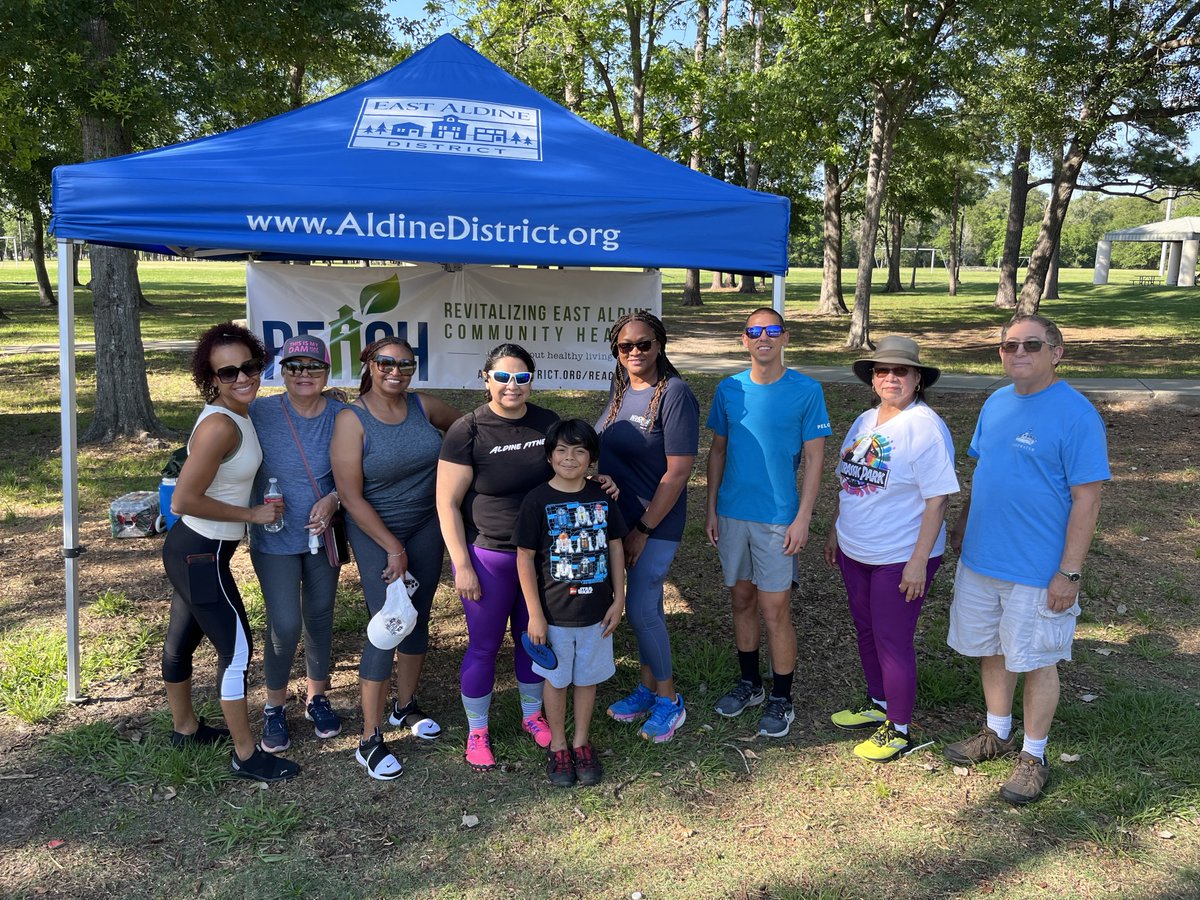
295, 429
895, 472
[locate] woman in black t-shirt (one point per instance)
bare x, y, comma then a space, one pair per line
490, 460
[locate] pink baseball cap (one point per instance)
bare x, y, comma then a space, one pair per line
304, 345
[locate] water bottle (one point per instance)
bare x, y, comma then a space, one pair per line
273, 495
314, 542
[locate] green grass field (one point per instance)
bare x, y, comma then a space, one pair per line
97, 804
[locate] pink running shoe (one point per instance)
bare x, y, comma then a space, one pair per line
479, 751
537, 726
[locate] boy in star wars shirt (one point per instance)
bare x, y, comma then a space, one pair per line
572, 569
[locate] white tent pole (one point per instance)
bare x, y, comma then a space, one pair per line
778, 292
70, 463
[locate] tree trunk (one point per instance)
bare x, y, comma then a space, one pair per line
1051, 230
123, 407
718, 281
883, 134
1006, 290
1050, 291
952, 256
832, 303
691, 280
894, 243
45, 286
691, 289
753, 166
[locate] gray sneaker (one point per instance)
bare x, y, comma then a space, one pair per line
1027, 780
977, 748
777, 717
743, 694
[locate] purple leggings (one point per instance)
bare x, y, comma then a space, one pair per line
886, 624
501, 606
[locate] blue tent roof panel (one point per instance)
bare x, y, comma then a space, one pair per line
444, 158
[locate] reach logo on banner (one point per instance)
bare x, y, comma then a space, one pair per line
451, 126
450, 318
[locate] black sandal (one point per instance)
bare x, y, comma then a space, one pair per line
205, 735
424, 727
373, 754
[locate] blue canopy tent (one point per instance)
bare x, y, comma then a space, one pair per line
445, 158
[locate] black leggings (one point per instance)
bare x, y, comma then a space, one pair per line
206, 603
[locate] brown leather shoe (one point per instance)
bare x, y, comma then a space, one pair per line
1027, 780
985, 745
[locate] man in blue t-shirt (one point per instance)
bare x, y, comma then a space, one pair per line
1028, 525
763, 421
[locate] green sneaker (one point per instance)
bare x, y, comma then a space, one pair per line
870, 716
884, 745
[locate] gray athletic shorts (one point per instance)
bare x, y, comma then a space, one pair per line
584, 657
753, 551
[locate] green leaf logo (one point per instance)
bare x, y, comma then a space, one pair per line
380, 297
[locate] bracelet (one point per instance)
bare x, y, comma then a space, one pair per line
401, 553
336, 498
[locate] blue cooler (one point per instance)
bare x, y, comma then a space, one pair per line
165, 490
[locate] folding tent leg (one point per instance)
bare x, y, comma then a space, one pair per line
70, 463
778, 292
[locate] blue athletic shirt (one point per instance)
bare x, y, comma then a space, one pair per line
767, 426
1032, 449
636, 457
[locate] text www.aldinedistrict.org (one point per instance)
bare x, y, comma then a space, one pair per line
397, 226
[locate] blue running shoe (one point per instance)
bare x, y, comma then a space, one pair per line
633, 707
275, 737
665, 719
326, 723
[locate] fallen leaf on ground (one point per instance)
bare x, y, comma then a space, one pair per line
962, 771
1104, 651
1166, 835
469, 821
750, 754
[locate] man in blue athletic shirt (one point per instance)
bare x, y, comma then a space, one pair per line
1028, 524
764, 420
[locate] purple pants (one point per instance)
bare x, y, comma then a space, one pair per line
886, 624
500, 608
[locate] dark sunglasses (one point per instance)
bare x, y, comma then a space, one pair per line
387, 365
627, 347
301, 368
1031, 345
251, 368
754, 332
884, 371
501, 377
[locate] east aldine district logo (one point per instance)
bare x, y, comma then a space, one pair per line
449, 126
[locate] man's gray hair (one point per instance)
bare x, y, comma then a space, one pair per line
1053, 335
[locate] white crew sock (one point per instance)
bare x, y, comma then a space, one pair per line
1002, 725
1036, 748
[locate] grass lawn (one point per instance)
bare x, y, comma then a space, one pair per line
97, 804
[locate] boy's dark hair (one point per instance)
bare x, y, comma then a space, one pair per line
573, 433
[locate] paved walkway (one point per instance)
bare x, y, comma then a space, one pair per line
1158, 390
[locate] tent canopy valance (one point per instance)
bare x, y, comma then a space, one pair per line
444, 158
1184, 229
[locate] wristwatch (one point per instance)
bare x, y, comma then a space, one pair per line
644, 528
1072, 577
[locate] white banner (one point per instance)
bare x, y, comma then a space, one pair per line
451, 319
